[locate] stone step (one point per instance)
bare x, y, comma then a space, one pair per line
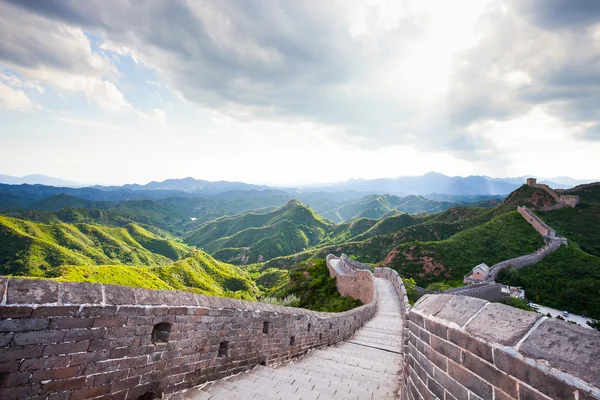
351, 371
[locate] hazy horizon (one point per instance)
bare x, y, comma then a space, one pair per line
293, 93
559, 179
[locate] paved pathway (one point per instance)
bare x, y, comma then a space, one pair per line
364, 367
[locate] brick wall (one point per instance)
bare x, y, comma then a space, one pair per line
82, 340
350, 281
539, 225
466, 348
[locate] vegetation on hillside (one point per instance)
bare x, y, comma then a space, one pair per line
32, 249
568, 279
316, 290
378, 206
506, 236
198, 273
253, 237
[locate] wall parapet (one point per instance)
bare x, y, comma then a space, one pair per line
464, 348
84, 340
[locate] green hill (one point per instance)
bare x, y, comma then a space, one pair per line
33, 249
199, 273
580, 224
378, 206
60, 201
568, 279
377, 246
506, 236
256, 237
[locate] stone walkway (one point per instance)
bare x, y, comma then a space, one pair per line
364, 367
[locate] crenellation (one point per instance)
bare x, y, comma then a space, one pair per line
101, 340
564, 200
504, 352
455, 347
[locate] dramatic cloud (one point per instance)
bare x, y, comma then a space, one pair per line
46, 52
430, 76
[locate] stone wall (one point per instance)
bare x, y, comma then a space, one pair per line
540, 226
466, 348
565, 200
352, 263
552, 244
83, 340
350, 282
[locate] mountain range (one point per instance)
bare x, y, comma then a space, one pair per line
430, 183
248, 242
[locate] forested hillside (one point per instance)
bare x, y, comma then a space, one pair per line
154, 242
253, 237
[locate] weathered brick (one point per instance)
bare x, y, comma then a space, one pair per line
544, 382
6, 338
448, 349
470, 380
102, 366
562, 345
90, 357
120, 295
502, 324
15, 312
31, 291
66, 348
19, 392
490, 373
457, 390
527, 393
19, 325
9, 366
500, 395
109, 377
130, 311
435, 388
70, 323
64, 385
125, 384
55, 373
88, 393
81, 293
110, 321
18, 353
436, 328
471, 344
38, 337
55, 311
77, 335
435, 357
45, 363
14, 379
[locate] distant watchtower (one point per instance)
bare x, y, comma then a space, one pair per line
531, 181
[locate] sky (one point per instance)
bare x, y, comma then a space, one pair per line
295, 92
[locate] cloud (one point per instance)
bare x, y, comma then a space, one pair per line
533, 54
45, 52
388, 73
14, 99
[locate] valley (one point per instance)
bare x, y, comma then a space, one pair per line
252, 242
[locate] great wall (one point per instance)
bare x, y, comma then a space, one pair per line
72, 341
83, 340
562, 200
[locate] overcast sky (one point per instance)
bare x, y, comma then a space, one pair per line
266, 91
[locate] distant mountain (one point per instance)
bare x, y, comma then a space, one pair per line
189, 185
429, 183
37, 180
375, 206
